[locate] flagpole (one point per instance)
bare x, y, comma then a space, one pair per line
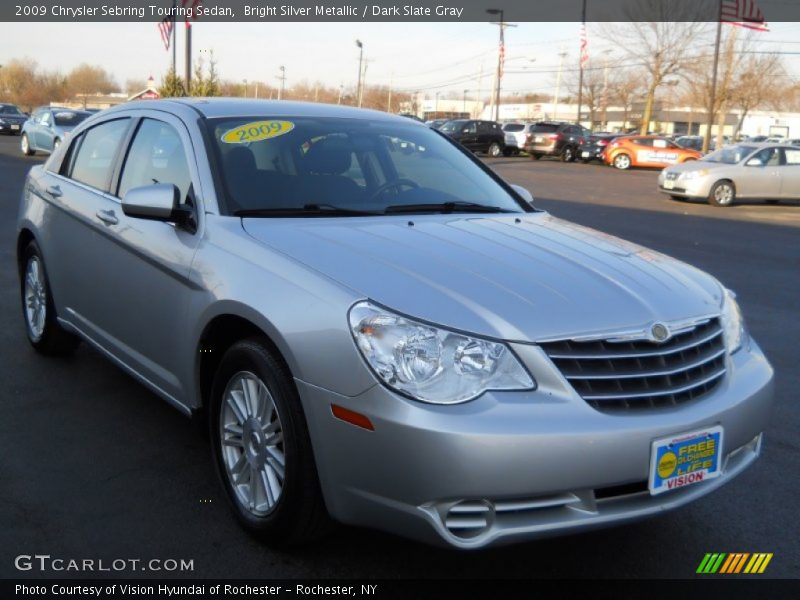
713, 94
174, 38
188, 56
580, 63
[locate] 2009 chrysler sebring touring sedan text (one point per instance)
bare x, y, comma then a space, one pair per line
380, 330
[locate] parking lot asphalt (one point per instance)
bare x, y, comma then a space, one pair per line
92, 465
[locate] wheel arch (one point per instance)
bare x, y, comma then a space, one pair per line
220, 332
24, 237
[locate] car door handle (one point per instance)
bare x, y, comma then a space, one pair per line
54, 191
107, 216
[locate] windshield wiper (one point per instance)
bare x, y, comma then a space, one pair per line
446, 207
308, 210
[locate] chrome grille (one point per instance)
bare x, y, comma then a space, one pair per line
638, 373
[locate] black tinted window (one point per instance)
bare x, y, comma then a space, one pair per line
68, 118
95, 155
544, 128
156, 156
513, 127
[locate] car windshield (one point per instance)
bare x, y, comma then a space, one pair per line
513, 127
68, 118
9, 109
730, 155
343, 166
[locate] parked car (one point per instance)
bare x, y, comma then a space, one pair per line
476, 135
394, 339
11, 119
516, 134
555, 139
744, 171
646, 151
592, 147
48, 127
436, 123
792, 142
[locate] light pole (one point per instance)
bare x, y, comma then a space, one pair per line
500, 57
562, 54
245, 88
360, 45
282, 77
464, 107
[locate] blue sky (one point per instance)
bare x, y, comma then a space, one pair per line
429, 57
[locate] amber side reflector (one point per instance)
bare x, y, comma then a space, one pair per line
352, 417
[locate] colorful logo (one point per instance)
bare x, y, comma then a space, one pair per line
734, 563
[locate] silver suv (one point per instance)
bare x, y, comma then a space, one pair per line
379, 330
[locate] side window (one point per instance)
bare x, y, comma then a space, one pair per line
484, 127
94, 158
792, 157
47, 118
155, 156
470, 127
769, 157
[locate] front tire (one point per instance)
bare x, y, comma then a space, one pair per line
25, 145
622, 162
723, 193
41, 325
262, 448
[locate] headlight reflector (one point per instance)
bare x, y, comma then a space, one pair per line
431, 364
732, 322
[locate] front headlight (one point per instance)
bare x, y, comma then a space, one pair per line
688, 175
732, 322
432, 364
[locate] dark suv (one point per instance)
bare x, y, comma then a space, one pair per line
555, 139
478, 136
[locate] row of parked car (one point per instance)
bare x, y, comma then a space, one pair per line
42, 130
754, 168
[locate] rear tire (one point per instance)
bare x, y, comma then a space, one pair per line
568, 154
622, 162
536, 156
723, 193
25, 146
261, 446
494, 150
38, 309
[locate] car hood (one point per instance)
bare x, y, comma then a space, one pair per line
696, 165
526, 278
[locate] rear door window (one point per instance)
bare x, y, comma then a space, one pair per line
94, 158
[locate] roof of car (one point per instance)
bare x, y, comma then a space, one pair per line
243, 107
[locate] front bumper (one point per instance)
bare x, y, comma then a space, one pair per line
10, 128
692, 188
511, 466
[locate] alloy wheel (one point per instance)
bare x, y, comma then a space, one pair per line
252, 447
35, 298
723, 194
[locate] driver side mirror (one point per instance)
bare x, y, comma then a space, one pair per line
524, 193
157, 202
754, 162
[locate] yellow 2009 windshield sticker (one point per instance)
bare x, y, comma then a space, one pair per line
256, 131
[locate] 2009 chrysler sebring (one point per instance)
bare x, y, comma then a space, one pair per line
379, 329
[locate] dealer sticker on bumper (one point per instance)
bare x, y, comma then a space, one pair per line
685, 459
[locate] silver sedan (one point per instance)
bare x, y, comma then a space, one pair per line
743, 171
377, 329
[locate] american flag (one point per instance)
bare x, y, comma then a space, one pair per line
165, 29
502, 50
191, 4
584, 46
743, 13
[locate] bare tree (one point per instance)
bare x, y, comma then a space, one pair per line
592, 88
625, 87
661, 49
